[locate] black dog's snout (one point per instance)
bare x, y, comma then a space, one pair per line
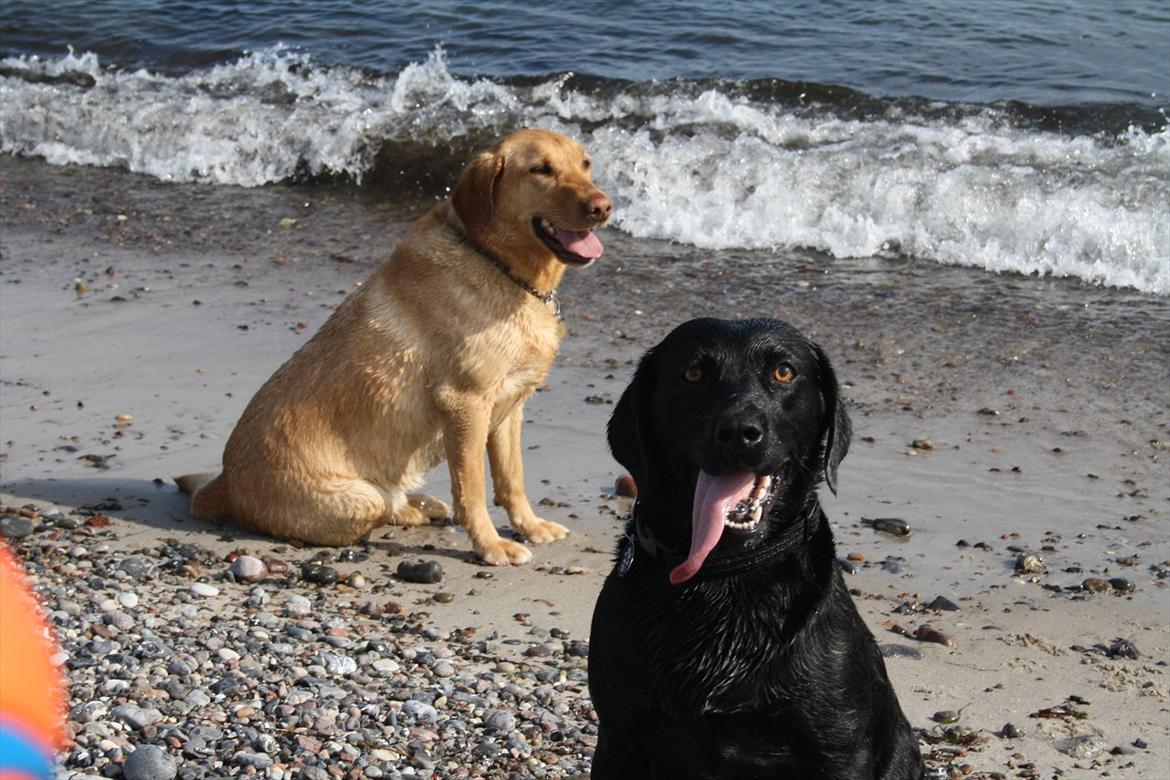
741, 433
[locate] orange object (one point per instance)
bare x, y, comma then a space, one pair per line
32, 699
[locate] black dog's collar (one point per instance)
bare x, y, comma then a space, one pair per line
640, 535
548, 299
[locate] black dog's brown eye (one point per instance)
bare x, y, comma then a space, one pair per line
544, 169
784, 373
693, 374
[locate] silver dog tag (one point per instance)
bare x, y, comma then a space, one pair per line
626, 560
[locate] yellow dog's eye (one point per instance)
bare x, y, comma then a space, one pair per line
544, 169
784, 373
587, 164
693, 374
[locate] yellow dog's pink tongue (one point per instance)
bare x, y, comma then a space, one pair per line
581, 243
714, 496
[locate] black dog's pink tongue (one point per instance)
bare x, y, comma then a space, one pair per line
714, 496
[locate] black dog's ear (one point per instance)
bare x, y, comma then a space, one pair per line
837, 430
627, 432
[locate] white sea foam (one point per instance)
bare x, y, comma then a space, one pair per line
711, 170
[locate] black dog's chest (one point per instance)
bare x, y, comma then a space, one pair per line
749, 746
711, 651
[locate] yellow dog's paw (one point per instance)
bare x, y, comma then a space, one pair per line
540, 531
409, 517
503, 552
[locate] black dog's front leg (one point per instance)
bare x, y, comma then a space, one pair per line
618, 757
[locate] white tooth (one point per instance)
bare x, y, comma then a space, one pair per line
757, 513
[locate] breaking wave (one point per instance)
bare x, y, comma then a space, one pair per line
1081, 191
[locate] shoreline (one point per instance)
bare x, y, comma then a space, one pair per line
1045, 403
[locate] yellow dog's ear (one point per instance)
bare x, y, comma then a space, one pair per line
474, 196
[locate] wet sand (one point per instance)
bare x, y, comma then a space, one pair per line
1040, 408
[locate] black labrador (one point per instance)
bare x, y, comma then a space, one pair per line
724, 643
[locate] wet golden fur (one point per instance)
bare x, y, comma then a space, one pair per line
431, 359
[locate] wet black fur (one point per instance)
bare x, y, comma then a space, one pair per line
767, 673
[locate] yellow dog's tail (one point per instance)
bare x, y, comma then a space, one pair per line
209, 496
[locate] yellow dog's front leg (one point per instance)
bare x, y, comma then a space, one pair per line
466, 420
508, 479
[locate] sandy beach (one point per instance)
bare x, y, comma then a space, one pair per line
1019, 425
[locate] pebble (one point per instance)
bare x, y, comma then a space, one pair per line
274, 565
249, 569
1029, 563
500, 720
1096, 585
894, 650
319, 574
1123, 648
134, 716
137, 566
256, 760
943, 604
16, 527
203, 589
149, 762
894, 526
444, 598
335, 663
424, 572
128, 600
1081, 747
1009, 731
386, 666
925, 633
1121, 584
420, 711
119, 620
297, 605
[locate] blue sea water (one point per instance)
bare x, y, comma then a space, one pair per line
1007, 135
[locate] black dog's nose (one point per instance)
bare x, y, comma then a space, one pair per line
741, 433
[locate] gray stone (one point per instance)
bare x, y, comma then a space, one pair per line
1082, 747
500, 720
336, 663
89, 712
248, 758
298, 605
134, 716
197, 697
203, 589
137, 566
119, 620
16, 527
386, 666
249, 569
149, 762
420, 711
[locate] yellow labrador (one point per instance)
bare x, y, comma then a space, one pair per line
432, 358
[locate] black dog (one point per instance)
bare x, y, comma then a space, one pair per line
724, 643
